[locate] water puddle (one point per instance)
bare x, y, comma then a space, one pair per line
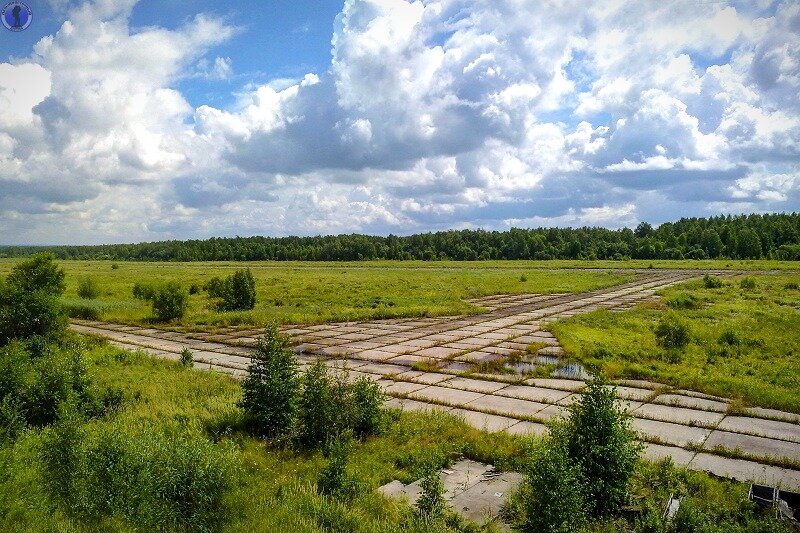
558, 367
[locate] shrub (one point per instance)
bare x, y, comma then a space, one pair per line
143, 291
156, 482
271, 388
792, 286
431, 504
711, 282
29, 300
237, 291
368, 399
186, 357
194, 288
87, 288
552, 494
214, 287
672, 333
40, 383
170, 301
599, 440
747, 283
683, 300
323, 408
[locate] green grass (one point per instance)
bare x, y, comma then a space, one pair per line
274, 489
303, 293
744, 342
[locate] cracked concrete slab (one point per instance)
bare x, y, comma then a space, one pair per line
680, 415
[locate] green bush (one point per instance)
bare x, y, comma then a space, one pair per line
39, 383
672, 333
170, 301
186, 357
683, 300
215, 287
237, 291
551, 498
599, 440
271, 388
153, 481
368, 399
747, 283
144, 291
29, 300
324, 408
711, 282
87, 288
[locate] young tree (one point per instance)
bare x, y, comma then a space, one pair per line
271, 388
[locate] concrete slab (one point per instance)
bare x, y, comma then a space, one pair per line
482, 502
452, 397
658, 452
536, 394
741, 470
432, 378
375, 355
669, 433
479, 357
402, 388
773, 414
559, 384
408, 404
752, 446
484, 421
507, 406
553, 411
679, 415
631, 393
438, 352
524, 428
691, 402
758, 426
475, 385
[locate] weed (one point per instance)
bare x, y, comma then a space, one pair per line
711, 282
431, 504
187, 359
672, 333
169, 301
748, 283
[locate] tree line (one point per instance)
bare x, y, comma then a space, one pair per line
770, 236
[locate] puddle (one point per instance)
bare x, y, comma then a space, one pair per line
561, 369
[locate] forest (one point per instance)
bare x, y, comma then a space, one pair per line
755, 236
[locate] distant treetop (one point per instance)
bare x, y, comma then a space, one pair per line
770, 236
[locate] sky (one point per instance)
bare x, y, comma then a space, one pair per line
127, 121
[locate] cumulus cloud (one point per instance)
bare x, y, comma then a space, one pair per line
431, 115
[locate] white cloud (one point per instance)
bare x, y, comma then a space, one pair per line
432, 115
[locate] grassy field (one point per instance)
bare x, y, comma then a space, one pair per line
321, 292
274, 489
745, 342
